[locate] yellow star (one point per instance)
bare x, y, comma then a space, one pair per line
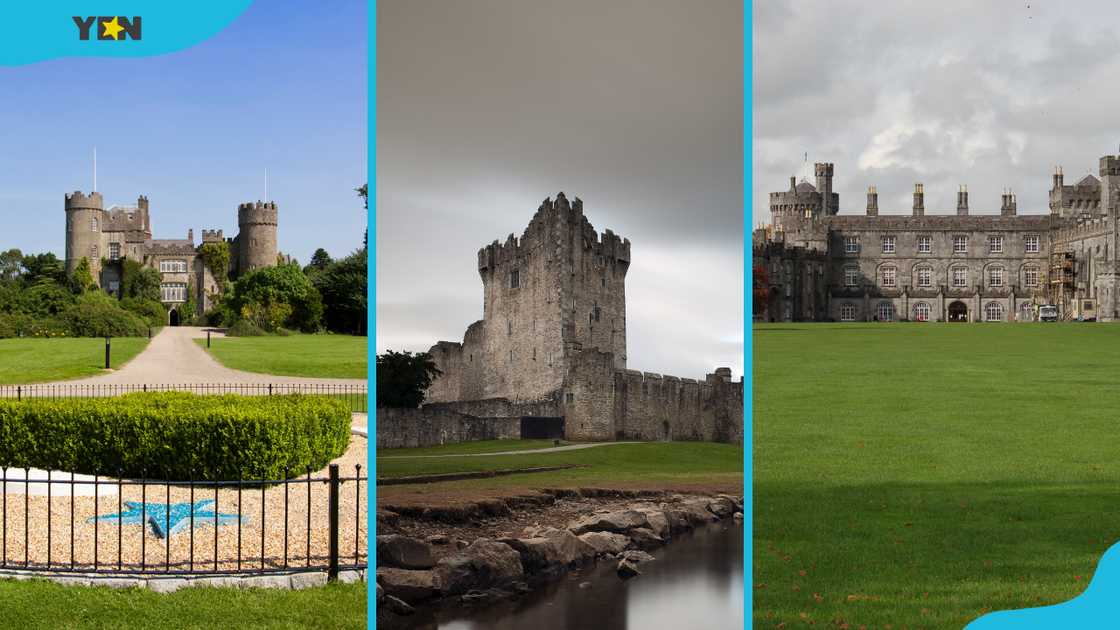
112, 28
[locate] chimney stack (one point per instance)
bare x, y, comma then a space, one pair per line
872, 202
1009, 207
919, 200
792, 183
1058, 178
962, 201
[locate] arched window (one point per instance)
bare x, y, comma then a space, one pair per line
921, 312
885, 312
847, 312
993, 312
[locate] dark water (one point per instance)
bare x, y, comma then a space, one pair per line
696, 582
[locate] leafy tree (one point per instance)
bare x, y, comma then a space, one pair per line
402, 378
138, 281
39, 268
11, 265
320, 260
81, 280
278, 296
363, 192
343, 287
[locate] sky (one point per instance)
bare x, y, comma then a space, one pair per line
195, 131
992, 95
487, 107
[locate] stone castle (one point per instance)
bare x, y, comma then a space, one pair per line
552, 342
823, 265
107, 236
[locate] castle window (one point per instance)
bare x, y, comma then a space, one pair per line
993, 312
173, 266
995, 244
569, 398
509, 327
960, 277
847, 312
173, 292
851, 245
595, 313
93, 224
888, 244
885, 312
514, 279
960, 244
921, 312
93, 251
925, 244
925, 277
851, 277
604, 281
1030, 277
114, 251
890, 275
1030, 243
534, 354
995, 277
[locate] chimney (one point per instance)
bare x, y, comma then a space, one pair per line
190, 234
919, 200
962, 201
792, 183
872, 202
1008, 207
1058, 178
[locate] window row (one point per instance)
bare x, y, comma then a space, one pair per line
887, 244
921, 312
173, 292
996, 276
173, 266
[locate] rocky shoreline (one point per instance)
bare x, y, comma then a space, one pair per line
426, 561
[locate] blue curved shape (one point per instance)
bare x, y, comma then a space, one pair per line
39, 31
1097, 607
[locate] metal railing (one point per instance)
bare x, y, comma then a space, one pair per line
356, 396
51, 521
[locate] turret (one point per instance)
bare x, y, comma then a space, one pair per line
872, 201
85, 219
1008, 207
257, 245
919, 200
824, 187
962, 201
1110, 183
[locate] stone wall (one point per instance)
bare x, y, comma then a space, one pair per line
410, 428
656, 407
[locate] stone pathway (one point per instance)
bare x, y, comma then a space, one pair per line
552, 449
173, 358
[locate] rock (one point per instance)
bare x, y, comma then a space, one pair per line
619, 521
308, 580
555, 549
644, 538
606, 542
693, 511
403, 552
657, 520
479, 566
437, 539
408, 585
461, 544
387, 518
627, 570
636, 556
394, 605
736, 502
474, 596
721, 507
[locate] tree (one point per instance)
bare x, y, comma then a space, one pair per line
403, 378
320, 260
138, 281
278, 296
11, 264
40, 268
81, 280
343, 286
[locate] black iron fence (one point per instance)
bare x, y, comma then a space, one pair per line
356, 396
51, 521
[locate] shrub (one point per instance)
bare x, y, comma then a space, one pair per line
244, 328
151, 311
97, 314
175, 434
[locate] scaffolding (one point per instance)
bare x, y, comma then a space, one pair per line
1061, 285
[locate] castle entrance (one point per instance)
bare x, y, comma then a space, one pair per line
542, 428
174, 317
958, 312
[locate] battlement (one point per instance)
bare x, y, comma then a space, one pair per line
259, 212
1110, 166
77, 199
823, 169
212, 236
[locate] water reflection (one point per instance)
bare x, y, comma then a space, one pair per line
695, 582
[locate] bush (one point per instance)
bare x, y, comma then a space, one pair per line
244, 328
98, 315
12, 325
171, 434
151, 311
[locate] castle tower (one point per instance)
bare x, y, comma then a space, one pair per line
85, 219
145, 218
256, 239
872, 201
919, 200
824, 187
962, 201
1110, 183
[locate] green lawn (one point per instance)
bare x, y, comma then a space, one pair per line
318, 356
647, 463
919, 475
40, 360
38, 604
481, 446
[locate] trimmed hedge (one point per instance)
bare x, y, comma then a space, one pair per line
170, 434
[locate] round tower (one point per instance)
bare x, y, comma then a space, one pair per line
85, 219
257, 236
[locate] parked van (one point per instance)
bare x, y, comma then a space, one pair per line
1048, 313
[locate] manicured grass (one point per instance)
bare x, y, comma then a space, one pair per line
38, 604
919, 475
318, 356
649, 463
482, 446
35, 360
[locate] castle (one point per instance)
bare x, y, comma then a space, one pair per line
817, 264
552, 342
107, 236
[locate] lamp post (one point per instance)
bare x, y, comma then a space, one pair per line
107, 351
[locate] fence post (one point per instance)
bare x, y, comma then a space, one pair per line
270, 389
107, 345
332, 509
19, 393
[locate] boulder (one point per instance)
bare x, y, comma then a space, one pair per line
606, 542
657, 520
395, 605
721, 507
437, 539
644, 538
735, 501
403, 552
694, 511
619, 521
627, 570
554, 549
636, 556
482, 564
408, 585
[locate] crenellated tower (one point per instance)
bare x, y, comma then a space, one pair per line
85, 219
256, 239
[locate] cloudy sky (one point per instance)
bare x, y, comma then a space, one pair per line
485, 108
988, 94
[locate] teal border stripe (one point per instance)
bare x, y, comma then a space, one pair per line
748, 317
371, 316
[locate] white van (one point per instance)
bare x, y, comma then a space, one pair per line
1048, 313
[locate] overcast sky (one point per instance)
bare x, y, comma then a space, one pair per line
487, 107
988, 94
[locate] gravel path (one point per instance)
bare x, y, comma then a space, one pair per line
551, 449
173, 358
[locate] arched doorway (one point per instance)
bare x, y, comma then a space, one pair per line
958, 312
174, 317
